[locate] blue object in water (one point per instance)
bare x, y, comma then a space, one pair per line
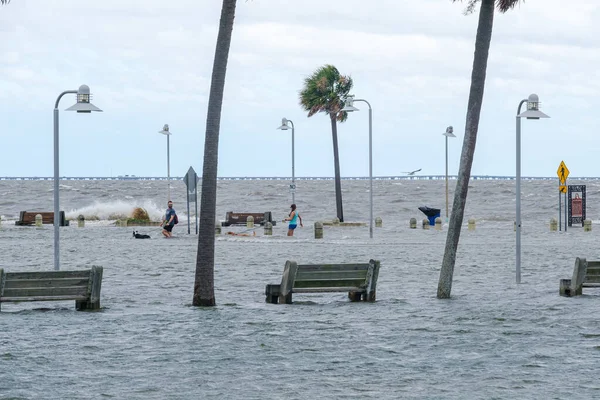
431, 213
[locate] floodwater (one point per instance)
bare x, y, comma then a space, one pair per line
493, 339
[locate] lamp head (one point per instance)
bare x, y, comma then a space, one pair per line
284, 124
533, 108
83, 104
165, 130
349, 104
449, 132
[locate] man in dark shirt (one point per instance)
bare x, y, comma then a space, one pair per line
169, 221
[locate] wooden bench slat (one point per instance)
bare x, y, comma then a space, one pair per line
41, 283
333, 267
329, 289
327, 283
48, 275
45, 292
308, 275
43, 298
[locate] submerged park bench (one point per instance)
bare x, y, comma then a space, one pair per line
240, 218
28, 218
359, 280
585, 274
83, 286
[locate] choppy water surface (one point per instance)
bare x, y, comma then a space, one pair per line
493, 339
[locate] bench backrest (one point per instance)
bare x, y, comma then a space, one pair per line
28, 217
234, 218
331, 275
592, 272
321, 277
50, 285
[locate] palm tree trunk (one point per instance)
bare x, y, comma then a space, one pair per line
482, 46
204, 284
336, 166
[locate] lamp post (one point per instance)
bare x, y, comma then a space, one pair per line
83, 105
165, 131
449, 133
349, 107
532, 112
284, 127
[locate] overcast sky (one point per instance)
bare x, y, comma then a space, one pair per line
149, 62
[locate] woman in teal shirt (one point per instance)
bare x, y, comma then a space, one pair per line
293, 217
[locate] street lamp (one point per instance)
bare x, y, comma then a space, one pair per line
83, 105
449, 133
349, 107
532, 112
165, 131
284, 127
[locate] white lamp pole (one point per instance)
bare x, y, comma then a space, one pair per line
449, 133
165, 131
83, 105
349, 107
284, 127
532, 112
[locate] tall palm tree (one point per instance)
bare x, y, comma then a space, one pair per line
204, 284
323, 92
482, 46
4, 1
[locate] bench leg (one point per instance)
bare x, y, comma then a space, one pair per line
565, 288
82, 305
272, 292
354, 296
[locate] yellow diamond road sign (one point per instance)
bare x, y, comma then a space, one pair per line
562, 189
562, 172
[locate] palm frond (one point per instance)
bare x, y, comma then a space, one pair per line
502, 5
324, 90
4, 2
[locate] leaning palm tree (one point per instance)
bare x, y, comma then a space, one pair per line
482, 46
204, 284
324, 91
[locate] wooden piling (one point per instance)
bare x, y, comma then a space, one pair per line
413, 223
438, 224
38, 220
553, 225
471, 224
80, 221
268, 229
318, 230
425, 223
250, 221
378, 222
587, 225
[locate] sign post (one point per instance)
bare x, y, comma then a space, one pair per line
563, 174
576, 206
191, 182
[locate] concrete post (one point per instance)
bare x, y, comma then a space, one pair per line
80, 221
268, 229
553, 225
471, 225
217, 228
413, 223
378, 222
38, 220
250, 221
336, 221
318, 230
425, 223
587, 225
438, 224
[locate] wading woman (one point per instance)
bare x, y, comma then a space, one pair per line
293, 217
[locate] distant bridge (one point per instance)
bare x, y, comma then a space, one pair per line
280, 178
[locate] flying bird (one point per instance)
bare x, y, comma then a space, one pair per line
412, 172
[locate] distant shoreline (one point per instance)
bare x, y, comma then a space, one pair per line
278, 178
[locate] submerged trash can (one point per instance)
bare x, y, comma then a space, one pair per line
432, 214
